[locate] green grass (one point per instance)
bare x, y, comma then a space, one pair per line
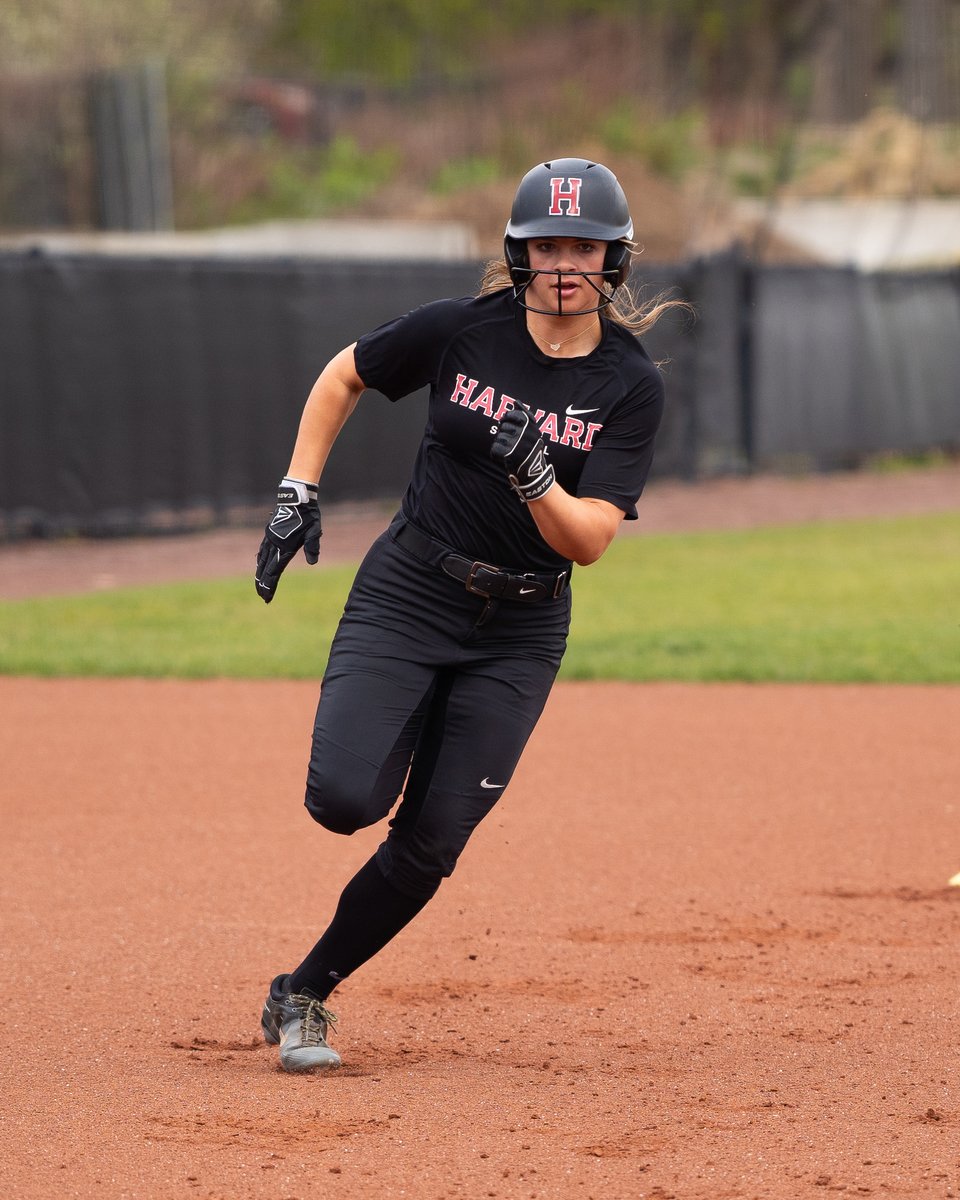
842, 601
845, 601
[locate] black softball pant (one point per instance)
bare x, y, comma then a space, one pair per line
430, 692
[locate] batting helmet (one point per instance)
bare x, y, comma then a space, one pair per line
569, 197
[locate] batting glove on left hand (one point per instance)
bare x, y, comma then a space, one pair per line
295, 523
519, 446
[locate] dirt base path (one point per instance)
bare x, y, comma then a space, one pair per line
703, 949
78, 565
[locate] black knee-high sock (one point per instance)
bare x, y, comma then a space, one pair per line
371, 911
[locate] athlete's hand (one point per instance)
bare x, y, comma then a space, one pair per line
520, 448
295, 523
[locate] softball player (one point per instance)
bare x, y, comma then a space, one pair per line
542, 416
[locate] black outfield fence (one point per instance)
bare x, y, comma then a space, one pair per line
142, 394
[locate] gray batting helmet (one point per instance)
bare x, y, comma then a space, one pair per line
569, 197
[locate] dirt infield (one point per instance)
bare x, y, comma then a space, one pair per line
703, 949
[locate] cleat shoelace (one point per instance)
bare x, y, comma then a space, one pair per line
314, 1019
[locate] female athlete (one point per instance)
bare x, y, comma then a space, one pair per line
542, 415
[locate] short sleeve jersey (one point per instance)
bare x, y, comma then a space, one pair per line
598, 415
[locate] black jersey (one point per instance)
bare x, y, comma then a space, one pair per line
598, 415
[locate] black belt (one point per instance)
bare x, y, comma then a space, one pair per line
480, 578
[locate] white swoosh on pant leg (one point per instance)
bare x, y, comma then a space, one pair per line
485, 783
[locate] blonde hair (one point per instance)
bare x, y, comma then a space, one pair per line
624, 308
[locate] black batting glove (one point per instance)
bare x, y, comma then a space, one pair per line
295, 523
520, 448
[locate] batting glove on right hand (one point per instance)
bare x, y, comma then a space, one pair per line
295, 523
519, 446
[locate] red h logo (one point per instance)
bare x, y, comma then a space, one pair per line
569, 195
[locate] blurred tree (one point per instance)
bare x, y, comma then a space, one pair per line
924, 92
727, 55
844, 59
41, 35
738, 54
400, 41
392, 41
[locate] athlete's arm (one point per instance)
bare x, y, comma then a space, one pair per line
295, 523
331, 401
579, 528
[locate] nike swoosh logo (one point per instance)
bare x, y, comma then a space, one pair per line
485, 783
526, 591
579, 412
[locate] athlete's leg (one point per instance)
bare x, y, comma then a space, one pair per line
418, 677
400, 626
371, 912
473, 735
367, 724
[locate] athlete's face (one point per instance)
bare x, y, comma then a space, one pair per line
569, 294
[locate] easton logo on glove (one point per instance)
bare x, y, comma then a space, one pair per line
519, 446
285, 520
295, 523
539, 464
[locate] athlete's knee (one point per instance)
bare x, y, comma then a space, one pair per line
417, 867
338, 805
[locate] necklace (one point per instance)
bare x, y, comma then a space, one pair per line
556, 345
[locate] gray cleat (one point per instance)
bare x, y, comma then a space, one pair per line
298, 1022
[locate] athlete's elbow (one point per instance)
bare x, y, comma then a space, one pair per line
581, 530
587, 556
582, 550
590, 549
595, 534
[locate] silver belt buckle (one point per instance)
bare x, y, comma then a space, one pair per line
472, 574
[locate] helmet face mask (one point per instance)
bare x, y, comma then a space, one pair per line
569, 197
616, 267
